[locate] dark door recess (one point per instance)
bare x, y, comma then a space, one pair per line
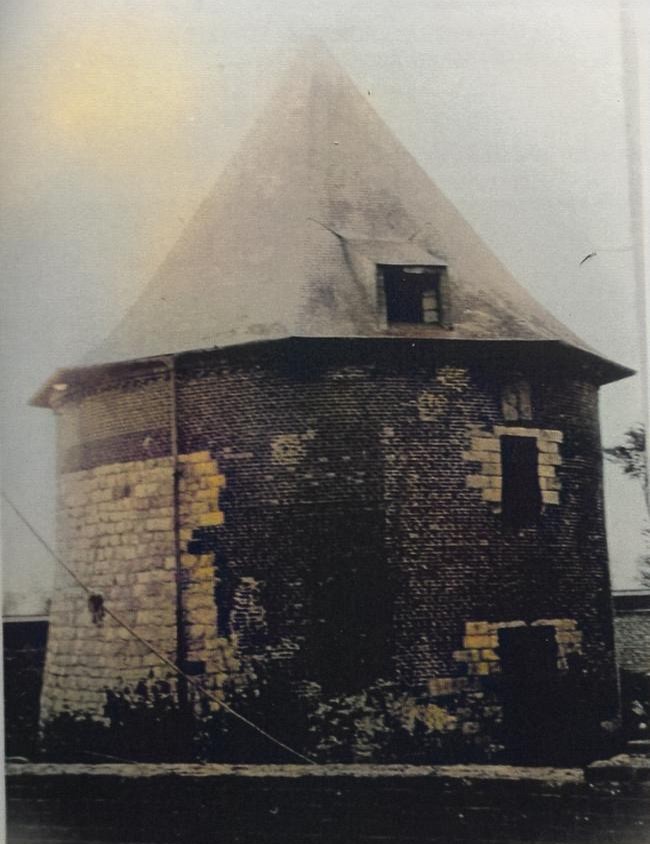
532, 707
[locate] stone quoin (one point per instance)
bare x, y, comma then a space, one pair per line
336, 444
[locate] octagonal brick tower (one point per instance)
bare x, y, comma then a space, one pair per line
335, 447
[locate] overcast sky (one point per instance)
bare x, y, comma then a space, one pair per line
119, 115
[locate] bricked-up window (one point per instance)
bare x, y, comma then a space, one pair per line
413, 294
515, 401
521, 497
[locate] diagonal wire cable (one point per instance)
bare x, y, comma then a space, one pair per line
192, 681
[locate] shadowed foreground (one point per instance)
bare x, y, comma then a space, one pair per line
333, 804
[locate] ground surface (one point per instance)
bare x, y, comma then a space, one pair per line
355, 804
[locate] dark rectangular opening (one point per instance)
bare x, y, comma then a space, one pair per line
528, 652
348, 645
532, 705
412, 294
521, 497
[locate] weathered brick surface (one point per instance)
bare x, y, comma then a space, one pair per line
115, 420
360, 445
633, 640
328, 520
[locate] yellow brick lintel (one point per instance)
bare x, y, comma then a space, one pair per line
204, 494
544, 435
494, 481
207, 467
447, 685
216, 481
492, 494
489, 655
490, 443
483, 627
481, 669
547, 446
213, 519
551, 435
513, 431
558, 623
547, 458
544, 470
549, 484
195, 457
476, 481
573, 637
501, 625
196, 560
481, 643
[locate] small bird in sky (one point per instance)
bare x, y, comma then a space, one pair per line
606, 249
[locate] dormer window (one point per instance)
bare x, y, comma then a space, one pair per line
413, 294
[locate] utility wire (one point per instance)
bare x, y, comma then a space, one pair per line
192, 681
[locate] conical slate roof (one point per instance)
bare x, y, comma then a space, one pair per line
288, 241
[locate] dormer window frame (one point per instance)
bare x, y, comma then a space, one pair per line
429, 303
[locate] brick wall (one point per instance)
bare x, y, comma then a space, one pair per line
117, 419
330, 526
633, 640
299, 445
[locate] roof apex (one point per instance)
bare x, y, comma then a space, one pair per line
289, 239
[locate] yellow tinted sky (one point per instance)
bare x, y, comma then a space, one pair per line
104, 87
